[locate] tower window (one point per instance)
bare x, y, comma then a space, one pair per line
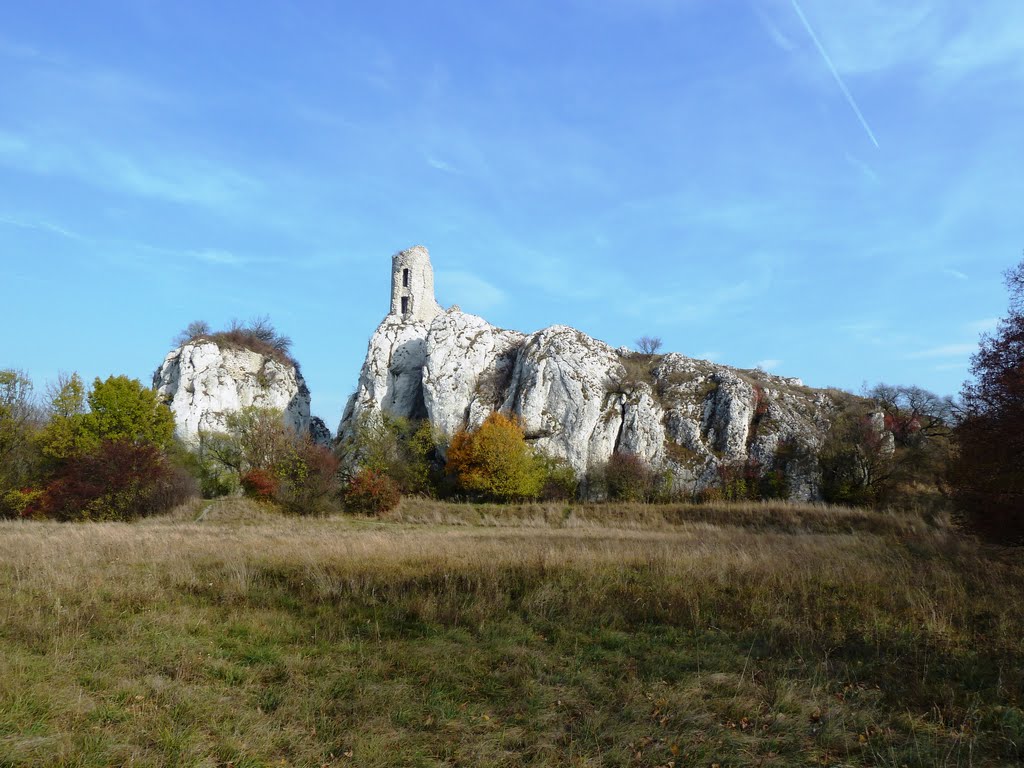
405, 278
405, 304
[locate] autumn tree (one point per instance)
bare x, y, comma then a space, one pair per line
495, 461
856, 456
987, 475
921, 425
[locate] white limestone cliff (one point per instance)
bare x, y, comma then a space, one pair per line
203, 382
579, 399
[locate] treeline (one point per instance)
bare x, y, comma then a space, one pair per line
106, 453
109, 453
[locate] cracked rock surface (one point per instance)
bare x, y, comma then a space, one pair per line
203, 382
581, 400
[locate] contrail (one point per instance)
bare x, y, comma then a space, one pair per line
835, 72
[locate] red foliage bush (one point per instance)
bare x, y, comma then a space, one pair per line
120, 480
372, 493
309, 479
259, 484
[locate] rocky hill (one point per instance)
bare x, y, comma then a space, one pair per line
203, 381
580, 399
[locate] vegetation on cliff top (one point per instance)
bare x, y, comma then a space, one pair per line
258, 335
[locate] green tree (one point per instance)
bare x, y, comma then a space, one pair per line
123, 409
856, 457
403, 449
65, 407
495, 462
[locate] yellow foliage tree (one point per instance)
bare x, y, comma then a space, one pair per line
494, 461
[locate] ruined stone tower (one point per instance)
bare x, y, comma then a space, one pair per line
412, 285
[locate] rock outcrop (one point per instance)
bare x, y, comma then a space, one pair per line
581, 400
203, 382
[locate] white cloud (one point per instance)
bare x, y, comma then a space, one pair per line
769, 364
954, 273
947, 350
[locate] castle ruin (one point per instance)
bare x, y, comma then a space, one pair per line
412, 285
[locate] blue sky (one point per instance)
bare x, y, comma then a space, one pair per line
830, 190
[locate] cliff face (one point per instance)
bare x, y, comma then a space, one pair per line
202, 382
579, 399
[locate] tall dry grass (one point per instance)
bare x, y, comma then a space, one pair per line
594, 635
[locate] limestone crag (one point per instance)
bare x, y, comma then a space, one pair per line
203, 382
391, 380
467, 365
581, 400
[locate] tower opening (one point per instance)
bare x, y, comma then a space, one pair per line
405, 278
405, 303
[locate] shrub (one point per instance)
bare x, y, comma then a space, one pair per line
308, 479
259, 484
560, 481
258, 335
403, 449
120, 480
213, 477
739, 481
21, 502
494, 461
371, 493
628, 477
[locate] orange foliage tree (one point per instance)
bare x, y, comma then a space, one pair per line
495, 462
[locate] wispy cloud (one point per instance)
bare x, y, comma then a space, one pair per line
954, 273
865, 170
946, 350
215, 256
943, 43
769, 364
835, 72
108, 248
41, 225
469, 290
441, 165
777, 36
165, 175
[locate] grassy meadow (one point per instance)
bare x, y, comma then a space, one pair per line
543, 635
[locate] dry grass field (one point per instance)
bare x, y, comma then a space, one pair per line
458, 635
